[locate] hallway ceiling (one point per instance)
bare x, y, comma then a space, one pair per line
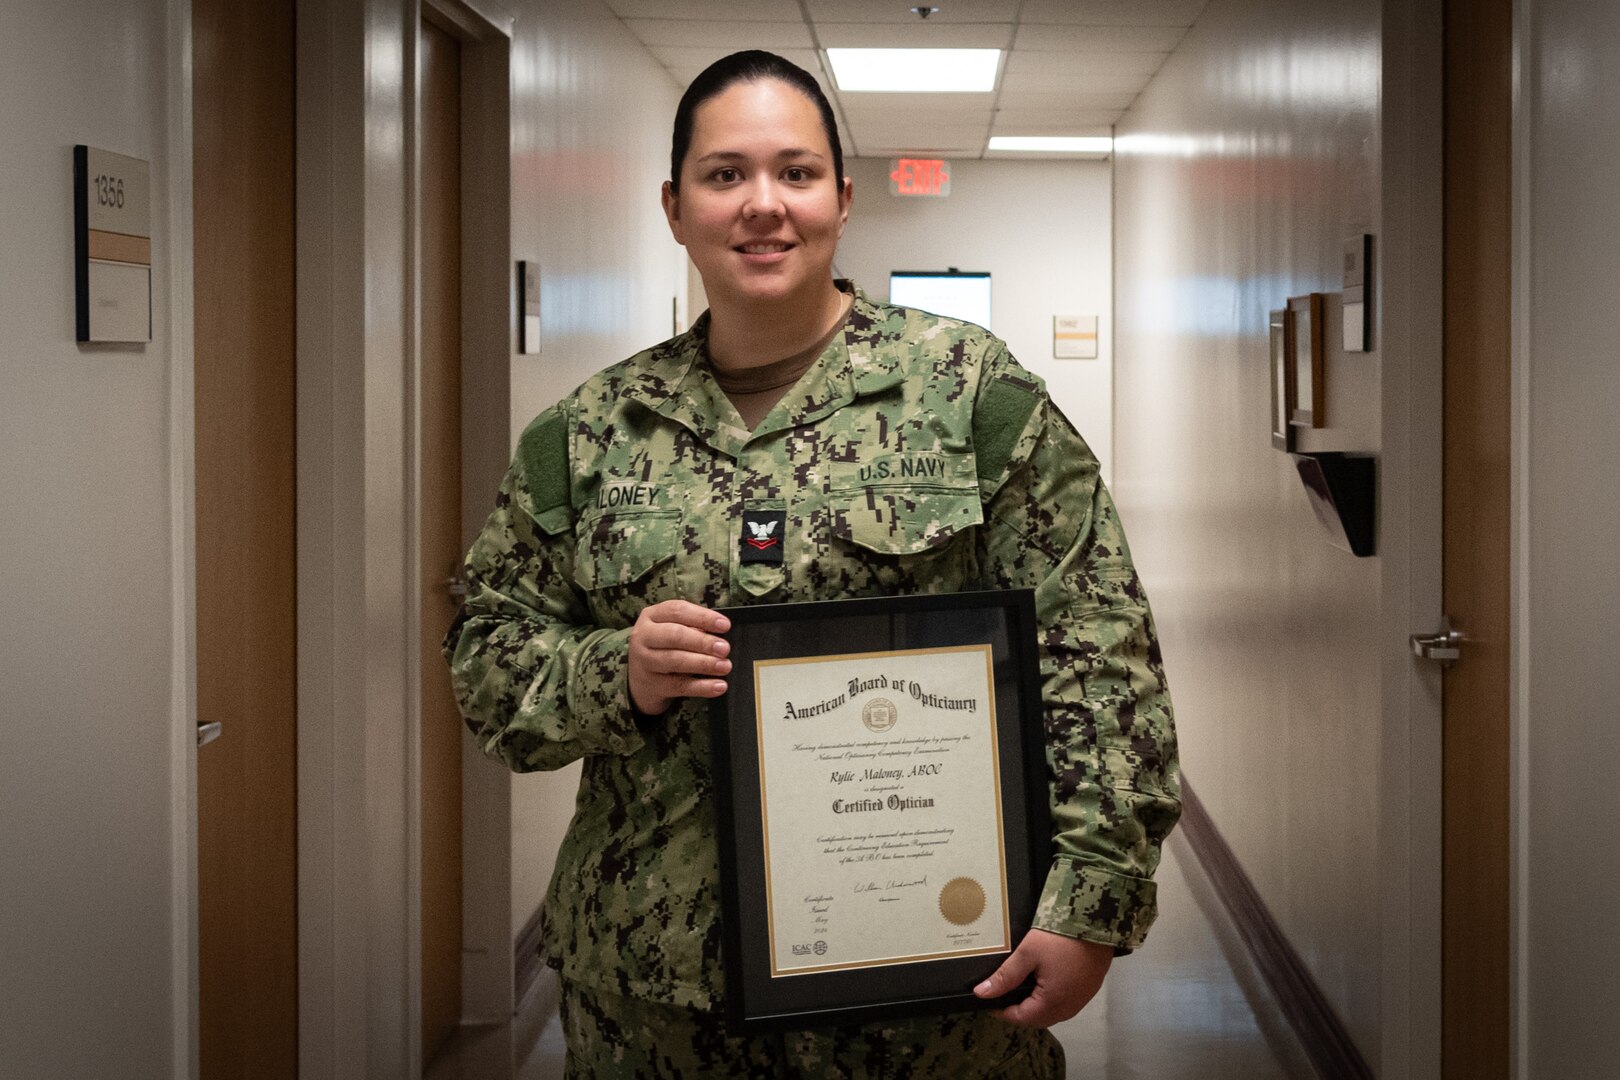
1071, 67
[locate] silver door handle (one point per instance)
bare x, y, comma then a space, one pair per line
1444, 647
207, 733
456, 584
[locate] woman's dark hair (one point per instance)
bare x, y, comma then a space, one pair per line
749, 66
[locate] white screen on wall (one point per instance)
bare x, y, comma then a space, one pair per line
957, 296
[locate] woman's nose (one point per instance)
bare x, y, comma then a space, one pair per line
763, 199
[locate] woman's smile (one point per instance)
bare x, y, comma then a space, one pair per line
764, 254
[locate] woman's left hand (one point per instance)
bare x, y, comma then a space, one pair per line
1068, 973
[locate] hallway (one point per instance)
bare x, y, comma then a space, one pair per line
1271, 246
1186, 1007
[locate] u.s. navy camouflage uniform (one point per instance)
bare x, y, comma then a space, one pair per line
915, 455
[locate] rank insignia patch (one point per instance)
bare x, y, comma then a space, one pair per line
762, 535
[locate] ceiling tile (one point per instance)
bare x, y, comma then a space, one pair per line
1062, 64
899, 11
972, 151
1055, 121
1076, 80
1045, 37
905, 135
1025, 155
1001, 127
846, 35
712, 10
1066, 99
695, 58
1111, 12
906, 104
728, 35
929, 114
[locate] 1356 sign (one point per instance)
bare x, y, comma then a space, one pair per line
110, 191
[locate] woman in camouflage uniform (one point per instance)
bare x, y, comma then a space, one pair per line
896, 452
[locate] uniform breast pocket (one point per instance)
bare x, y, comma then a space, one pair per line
626, 560
899, 539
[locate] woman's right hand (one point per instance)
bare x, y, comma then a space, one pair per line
676, 652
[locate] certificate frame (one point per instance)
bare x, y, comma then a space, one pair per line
1281, 325
757, 999
1306, 342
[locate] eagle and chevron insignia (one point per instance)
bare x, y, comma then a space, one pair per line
762, 536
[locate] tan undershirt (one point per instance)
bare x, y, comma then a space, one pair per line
754, 391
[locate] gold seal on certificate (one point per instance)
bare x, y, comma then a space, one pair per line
961, 901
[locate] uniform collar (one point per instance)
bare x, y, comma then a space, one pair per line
676, 381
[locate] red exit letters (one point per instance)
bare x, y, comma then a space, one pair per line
919, 176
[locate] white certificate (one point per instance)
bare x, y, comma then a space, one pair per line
880, 793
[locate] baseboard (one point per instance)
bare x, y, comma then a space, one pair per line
526, 963
1318, 1029
534, 1011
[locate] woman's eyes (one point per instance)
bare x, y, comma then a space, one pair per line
793, 174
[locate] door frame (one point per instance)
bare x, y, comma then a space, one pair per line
1407, 331
487, 342
1525, 64
185, 988
358, 713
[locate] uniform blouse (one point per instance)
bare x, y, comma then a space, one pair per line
915, 455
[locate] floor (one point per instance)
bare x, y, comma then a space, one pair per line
1185, 1007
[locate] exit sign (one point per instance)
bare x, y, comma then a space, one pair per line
919, 176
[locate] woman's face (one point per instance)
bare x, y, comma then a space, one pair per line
759, 210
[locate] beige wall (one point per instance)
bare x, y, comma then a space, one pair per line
1043, 230
1240, 172
585, 100
89, 703
591, 114
1567, 588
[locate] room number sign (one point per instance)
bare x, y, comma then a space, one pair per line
112, 240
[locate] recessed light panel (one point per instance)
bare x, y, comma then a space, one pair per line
915, 71
1053, 144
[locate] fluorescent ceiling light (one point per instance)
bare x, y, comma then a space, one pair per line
1054, 144
915, 71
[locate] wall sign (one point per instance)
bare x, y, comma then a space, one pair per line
919, 176
1282, 379
1306, 342
1357, 332
528, 275
112, 242
1074, 337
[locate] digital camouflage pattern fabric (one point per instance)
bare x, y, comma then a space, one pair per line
914, 456
613, 1036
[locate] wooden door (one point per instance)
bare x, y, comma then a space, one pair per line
441, 549
1478, 219
244, 362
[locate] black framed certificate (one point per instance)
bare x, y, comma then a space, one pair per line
884, 822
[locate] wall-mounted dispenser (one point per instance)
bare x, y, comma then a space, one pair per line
1343, 489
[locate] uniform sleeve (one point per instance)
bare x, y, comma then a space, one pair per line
1050, 525
538, 684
